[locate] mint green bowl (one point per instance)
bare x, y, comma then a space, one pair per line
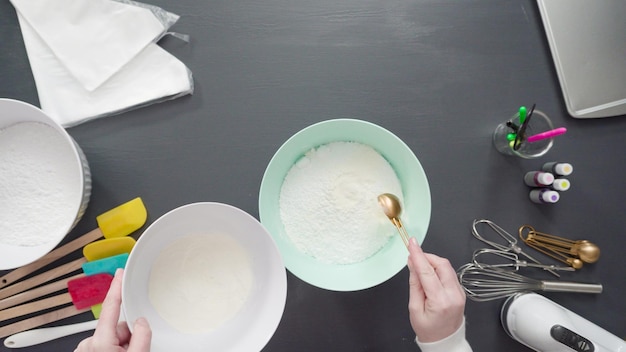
390, 259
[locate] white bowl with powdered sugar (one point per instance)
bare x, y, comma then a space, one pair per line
45, 183
208, 277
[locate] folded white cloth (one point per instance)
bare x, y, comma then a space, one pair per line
93, 58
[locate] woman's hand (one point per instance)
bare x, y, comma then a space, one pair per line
111, 336
436, 298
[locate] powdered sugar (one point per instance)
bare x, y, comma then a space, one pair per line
38, 181
329, 206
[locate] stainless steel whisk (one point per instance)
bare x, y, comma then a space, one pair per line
487, 283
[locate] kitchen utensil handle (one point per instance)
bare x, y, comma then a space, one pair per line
42, 278
37, 292
37, 336
35, 306
58, 253
558, 286
40, 320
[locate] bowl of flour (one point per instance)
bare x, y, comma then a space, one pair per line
208, 277
45, 183
318, 199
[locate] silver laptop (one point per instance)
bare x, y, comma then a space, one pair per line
588, 43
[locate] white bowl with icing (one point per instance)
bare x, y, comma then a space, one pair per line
200, 259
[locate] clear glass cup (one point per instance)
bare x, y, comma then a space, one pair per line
539, 122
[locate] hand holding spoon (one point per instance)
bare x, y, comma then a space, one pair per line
392, 208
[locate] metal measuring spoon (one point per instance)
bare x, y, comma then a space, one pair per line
586, 251
560, 248
392, 208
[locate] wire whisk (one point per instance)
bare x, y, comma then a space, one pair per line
485, 283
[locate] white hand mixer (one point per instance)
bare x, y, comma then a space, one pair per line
543, 325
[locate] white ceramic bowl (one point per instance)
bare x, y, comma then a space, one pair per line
37, 211
254, 324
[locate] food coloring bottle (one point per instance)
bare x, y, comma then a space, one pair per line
544, 195
560, 184
538, 179
558, 168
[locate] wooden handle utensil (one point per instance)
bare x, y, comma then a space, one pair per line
40, 320
94, 251
117, 222
106, 265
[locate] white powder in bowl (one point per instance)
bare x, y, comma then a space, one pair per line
329, 206
38, 184
200, 281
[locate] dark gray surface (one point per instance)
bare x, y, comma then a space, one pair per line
439, 74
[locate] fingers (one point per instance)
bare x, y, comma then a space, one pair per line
447, 274
142, 336
106, 330
436, 300
444, 269
423, 270
123, 333
416, 293
441, 277
113, 336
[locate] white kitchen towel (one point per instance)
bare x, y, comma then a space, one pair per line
93, 58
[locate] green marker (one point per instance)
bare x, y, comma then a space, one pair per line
522, 114
511, 137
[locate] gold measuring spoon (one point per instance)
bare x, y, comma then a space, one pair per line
561, 248
392, 208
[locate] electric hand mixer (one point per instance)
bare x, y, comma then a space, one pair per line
545, 326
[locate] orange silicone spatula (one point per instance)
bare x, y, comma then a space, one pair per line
117, 222
97, 250
83, 292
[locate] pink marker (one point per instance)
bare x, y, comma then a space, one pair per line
548, 134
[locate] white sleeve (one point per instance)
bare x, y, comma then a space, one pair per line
453, 343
